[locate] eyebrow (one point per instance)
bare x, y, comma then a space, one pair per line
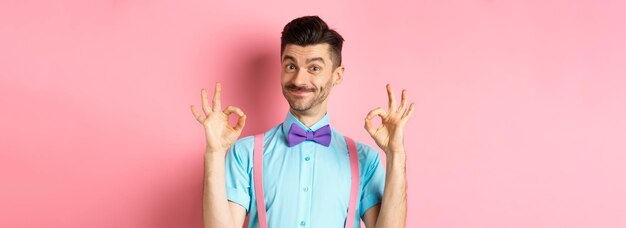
289, 57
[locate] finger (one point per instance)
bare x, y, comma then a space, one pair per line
408, 113
242, 117
369, 127
392, 98
205, 102
196, 114
217, 105
368, 119
241, 123
232, 109
377, 112
403, 107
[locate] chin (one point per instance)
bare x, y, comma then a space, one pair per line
299, 107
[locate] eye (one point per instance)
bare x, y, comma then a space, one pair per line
290, 67
315, 68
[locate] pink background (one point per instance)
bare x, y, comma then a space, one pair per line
519, 119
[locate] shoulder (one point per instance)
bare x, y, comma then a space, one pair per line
240, 152
243, 145
368, 155
366, 149
243, 148
369, 160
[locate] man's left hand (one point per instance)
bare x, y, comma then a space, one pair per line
389, 136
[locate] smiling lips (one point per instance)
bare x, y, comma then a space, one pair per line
299, 92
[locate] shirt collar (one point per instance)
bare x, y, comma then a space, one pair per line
292, 119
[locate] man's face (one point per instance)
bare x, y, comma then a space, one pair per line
307, 75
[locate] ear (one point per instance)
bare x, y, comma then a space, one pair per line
338, 75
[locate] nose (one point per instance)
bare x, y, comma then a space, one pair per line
301, 78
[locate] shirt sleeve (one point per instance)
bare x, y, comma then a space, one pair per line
238, 173
372, 179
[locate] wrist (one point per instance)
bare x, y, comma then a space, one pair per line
396, 154
396, 160
399, 150
214, 152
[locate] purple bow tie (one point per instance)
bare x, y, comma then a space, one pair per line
297, 135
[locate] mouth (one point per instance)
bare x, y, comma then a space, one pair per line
299, 92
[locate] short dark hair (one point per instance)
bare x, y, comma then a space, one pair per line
311, 30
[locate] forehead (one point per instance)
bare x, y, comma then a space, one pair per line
302, 53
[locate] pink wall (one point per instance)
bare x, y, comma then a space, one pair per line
519, 120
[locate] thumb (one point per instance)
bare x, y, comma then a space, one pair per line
368, 119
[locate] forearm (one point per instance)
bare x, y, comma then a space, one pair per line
393, 206
216, 212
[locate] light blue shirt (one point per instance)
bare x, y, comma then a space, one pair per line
307, 185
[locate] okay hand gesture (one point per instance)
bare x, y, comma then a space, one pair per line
220, 135
389, 136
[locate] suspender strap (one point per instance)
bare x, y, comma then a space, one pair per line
258, 180
354, 189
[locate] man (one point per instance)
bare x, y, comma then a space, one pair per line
307, 183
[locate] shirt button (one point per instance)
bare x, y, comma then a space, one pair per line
305, 189
302, 223
307, 158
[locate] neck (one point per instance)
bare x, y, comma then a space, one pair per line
309, 117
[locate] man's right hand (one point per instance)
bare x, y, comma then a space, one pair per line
220, 135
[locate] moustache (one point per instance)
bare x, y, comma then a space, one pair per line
299, 88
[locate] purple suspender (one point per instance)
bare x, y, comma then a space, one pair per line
258, 180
